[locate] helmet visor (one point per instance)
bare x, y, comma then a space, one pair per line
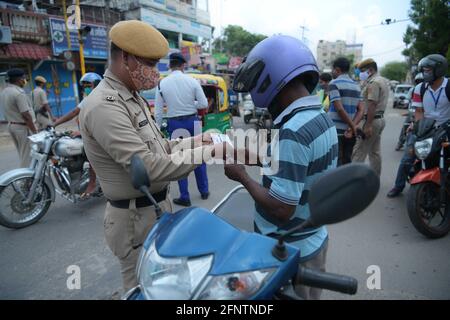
247, 75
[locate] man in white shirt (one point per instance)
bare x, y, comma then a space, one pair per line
183, 97
431, 100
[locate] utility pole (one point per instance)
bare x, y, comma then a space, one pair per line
69, 44
81, 34
304, 29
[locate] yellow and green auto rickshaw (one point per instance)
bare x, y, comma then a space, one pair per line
217, 116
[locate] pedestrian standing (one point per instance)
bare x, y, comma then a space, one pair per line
19, 114
376, 96
184, 97
44, 117
346, 109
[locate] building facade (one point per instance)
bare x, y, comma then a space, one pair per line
33, 37
328, 51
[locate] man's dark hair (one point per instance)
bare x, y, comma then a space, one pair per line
342, 63
175, 64
114, 50
326, 77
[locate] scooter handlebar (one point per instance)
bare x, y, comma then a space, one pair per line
327, 281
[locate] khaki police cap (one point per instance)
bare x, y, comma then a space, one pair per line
363, 64
40, 79
140, 39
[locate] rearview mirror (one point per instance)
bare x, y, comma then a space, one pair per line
139, 175
342, 194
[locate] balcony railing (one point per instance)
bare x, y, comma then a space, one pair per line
26, 26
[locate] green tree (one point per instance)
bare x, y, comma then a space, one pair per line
431, 30
236, 41
395, 71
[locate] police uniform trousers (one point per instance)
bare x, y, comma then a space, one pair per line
201, 176
127, 246
371, 147
42, 121
19, 134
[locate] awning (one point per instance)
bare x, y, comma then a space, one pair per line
27, 51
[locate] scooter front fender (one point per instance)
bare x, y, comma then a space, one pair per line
17, 174
431, 175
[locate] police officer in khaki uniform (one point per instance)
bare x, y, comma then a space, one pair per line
19, 114
115, 123
376, 95
44, 117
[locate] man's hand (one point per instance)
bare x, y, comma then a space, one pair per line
350, 133
203, 139
235, 172
368, 131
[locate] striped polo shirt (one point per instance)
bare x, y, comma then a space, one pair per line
347, 91
306, 147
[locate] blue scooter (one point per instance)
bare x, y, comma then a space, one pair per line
195, 254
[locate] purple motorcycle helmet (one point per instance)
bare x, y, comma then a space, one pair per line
272, 64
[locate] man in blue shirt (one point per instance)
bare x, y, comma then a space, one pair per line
183, 96
346, 109
306, 146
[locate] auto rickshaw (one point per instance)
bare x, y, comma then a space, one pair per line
217, 116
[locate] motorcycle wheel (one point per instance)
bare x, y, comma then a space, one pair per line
16, 215
426, 212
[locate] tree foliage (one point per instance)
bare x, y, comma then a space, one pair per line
431, 31
395, 71
236, 41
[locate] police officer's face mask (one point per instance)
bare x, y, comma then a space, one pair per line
144, 77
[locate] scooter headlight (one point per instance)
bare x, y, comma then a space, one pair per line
423, 148
237, 286
171, 278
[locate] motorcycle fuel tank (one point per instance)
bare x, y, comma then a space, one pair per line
68, 147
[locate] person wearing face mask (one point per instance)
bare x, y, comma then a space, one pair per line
376, 95
19, 113
431, 100
116, 124
183, 96
44, 117
88, 83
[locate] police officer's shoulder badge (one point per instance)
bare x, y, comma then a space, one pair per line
110, 98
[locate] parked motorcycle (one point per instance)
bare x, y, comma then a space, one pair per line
58, 165
196, 254
429, 196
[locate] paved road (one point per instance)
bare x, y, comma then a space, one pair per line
34, 261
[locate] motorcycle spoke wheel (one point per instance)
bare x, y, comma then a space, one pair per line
14, 213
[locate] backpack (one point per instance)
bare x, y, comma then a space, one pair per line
425, 86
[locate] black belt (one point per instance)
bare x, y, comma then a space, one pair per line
376, 117
142, 202
183, 117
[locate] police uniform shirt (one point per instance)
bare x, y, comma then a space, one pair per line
39, 98
15, 102
377, 90
115, 125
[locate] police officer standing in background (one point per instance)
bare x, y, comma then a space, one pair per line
19, 114
376, 95
116, 124
44, 117
183, 97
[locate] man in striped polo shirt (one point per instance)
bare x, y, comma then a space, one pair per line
346, 108
305, 148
